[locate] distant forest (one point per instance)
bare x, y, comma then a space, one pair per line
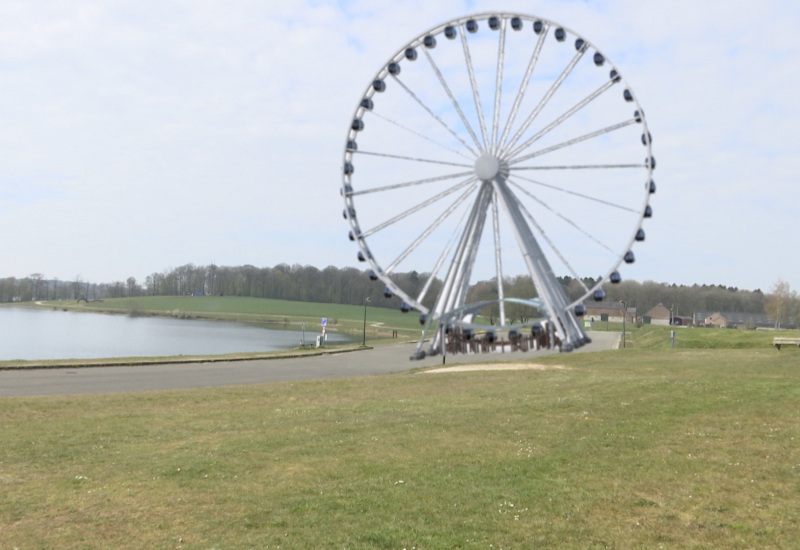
352, 286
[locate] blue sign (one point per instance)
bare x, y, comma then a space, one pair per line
324, 321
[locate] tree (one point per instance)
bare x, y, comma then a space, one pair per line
77, 288
782, 303
133, 287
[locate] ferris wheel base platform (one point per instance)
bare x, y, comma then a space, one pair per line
481, 346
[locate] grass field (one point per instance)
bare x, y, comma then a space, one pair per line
650, 447
381, 322
654, 337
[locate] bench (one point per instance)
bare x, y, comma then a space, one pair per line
778, 342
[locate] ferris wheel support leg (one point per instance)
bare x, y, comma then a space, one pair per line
454, 288
566, 324
498, 260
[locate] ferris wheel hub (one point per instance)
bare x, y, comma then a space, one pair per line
487, 166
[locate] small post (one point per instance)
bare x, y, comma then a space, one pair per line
444, 346
366, 301
672, 338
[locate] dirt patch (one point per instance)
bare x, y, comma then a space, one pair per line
496, 366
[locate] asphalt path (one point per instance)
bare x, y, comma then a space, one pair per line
382, 359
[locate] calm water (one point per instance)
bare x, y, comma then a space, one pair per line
47, 334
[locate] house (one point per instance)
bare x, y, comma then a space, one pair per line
657, 315
725, 319
715, 320
609, 311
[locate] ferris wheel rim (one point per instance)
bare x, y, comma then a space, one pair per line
386, 71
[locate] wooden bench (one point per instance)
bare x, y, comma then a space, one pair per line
778, 342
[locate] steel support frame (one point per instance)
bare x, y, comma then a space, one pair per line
453, 294
567, 326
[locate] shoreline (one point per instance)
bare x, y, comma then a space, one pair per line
226, 317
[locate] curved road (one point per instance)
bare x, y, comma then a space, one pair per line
118, 379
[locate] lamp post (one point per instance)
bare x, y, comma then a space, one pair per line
366, 301
624, 314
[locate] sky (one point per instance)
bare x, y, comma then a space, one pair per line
144, 135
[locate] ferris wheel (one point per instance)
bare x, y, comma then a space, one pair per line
487, 158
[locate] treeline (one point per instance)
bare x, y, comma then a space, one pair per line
296, 282
351, 286
684, 300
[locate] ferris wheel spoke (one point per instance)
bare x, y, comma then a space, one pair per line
577, 107
579, 167
453, 99
572, 141
436, 117
442, 257
428, 230
498, 87
410, 183
436, 268
546, 98
563, 217
576, 194
474, 85
524, 84
415, 159
420, 206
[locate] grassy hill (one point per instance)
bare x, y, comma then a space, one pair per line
344, 318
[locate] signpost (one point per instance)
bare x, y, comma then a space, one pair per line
366, 301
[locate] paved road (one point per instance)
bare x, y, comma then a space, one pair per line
380, 360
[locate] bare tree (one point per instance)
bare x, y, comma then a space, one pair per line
782, 303
36, 285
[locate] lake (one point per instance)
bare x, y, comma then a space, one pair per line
30, 334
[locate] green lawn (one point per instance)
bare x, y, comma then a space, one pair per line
381, 322
654, 337
649, 447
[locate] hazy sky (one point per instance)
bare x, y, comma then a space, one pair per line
144, 135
